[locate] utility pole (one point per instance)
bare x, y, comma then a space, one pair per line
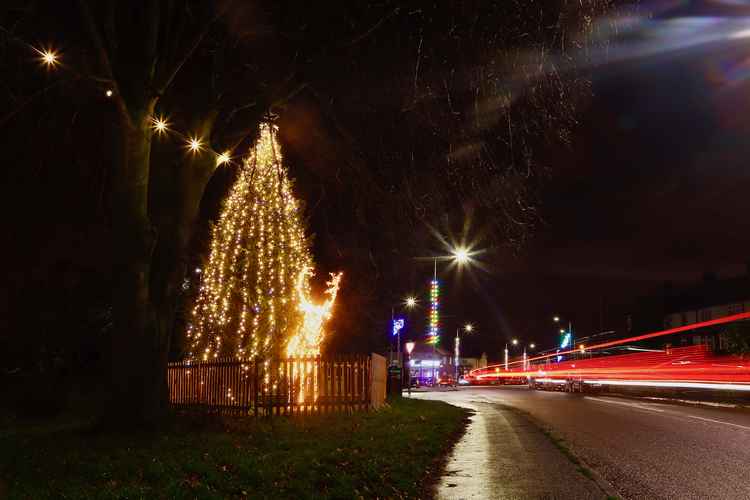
456, 353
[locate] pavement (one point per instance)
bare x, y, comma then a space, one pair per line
635, 448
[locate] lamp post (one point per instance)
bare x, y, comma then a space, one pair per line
468, 328
397, 325
460, 256
409, 348
532, 346
514, 342
525, 356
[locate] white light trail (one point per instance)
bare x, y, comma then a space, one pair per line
667, 383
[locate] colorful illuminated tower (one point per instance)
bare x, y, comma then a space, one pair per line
434, 330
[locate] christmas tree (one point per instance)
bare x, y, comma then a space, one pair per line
254, 297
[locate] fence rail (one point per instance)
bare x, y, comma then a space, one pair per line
288, 386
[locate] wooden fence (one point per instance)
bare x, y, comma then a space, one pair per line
291, 386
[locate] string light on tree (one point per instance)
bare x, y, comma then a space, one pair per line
254, 297
49, 57
223, 158
194, 145
159, 124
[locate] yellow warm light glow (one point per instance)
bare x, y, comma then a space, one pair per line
411, 302
461, 255
310, 336
159, 124
49, 57
109, 93
195, 145
223, 158
253, 301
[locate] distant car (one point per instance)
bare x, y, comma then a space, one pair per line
447, 380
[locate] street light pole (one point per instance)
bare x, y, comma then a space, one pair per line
456, 353
468, 328
393, 318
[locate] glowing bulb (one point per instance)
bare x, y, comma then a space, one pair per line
159, 124
223, 158
532, 346
108, 93
195, 145
514, 341
411, 302
461, 255
49, 57
469, 327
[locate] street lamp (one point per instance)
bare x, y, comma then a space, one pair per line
515, 343
468, 328
397, 325
409, 348
461, 255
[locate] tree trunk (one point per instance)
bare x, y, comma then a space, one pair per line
179, 202
138, 378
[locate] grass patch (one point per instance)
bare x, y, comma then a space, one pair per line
387, 453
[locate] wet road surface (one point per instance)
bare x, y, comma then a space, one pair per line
643, 449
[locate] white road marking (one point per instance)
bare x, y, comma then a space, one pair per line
633, 405
720, 422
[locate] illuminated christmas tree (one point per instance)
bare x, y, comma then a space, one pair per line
253, 300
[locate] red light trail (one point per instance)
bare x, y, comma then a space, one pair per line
690, 367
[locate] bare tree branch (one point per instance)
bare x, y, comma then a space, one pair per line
96, 38
163, 83
27, 100
372, 28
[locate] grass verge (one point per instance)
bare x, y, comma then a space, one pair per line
388, 453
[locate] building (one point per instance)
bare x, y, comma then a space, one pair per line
675, 306
709, 299
427, 363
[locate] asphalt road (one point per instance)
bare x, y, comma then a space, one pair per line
642, 448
